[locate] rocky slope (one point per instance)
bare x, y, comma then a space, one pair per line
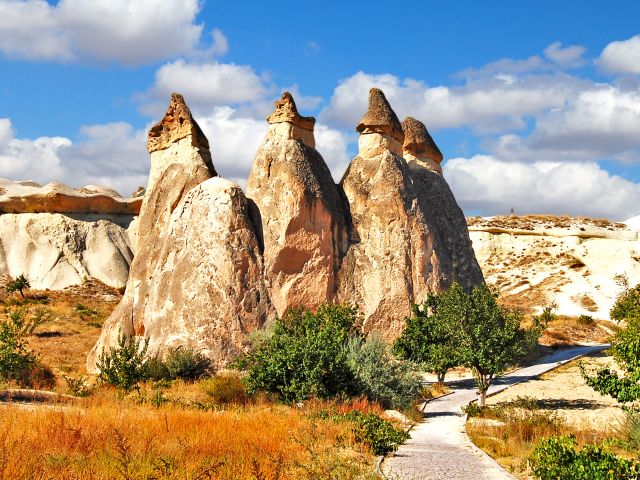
574, 262
61, 236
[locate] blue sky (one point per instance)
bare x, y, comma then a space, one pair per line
536, 106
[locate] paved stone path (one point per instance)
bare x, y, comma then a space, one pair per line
440, 449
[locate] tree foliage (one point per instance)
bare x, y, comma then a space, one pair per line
306, 355
124, 366
558, 458
427, 340
625, 348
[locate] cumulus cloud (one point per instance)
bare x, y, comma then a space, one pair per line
113, 155
567, 57
621, 56
491, 186
123, 31
501, 99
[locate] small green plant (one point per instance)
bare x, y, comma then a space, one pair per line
124, 366
17, 362
19, 284
225, 389
558, 458
85, 312
77, 386
373, 430
586, 320
473, 410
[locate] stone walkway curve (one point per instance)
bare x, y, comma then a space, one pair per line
439, 447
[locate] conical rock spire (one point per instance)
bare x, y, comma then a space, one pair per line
286, 111
419, 149
176, 124
380, 117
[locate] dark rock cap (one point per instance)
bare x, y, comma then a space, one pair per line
380, 117
418, 141
286, 111
177, 124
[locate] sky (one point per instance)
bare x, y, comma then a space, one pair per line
535, 105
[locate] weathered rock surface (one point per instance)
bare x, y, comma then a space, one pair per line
409, 235
55, 251
419, 149
29, 197
302, 218
197, 275
535, 260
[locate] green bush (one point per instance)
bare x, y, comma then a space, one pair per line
187, 364
125, 366
305, 356
225, 389
558, 458
17, 362
380, 377
77, 386
586, 320
373, 430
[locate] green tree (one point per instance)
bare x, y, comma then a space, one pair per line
305, 355
18, 285
427, 340
488, 337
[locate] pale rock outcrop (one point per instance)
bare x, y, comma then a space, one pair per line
196, 278
29, 197
535, 260
419, 149
55, 251
401, 234
302, 218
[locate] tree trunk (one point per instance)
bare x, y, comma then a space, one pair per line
441, 377
482, 397
21, 293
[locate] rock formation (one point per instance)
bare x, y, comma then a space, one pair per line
196, 278
29, 197
401, 234
419, 149
303, 222
55, 251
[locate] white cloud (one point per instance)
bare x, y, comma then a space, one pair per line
113, 155
483, 103
491, 186
622, 56
567, 57
122, 31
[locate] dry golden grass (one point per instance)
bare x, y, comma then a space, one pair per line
105, 438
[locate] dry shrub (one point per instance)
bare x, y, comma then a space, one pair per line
109, 439
225, 389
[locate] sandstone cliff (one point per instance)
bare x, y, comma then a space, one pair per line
197, 275
408, 234
302, 219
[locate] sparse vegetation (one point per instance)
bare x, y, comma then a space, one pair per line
376, 432
124, 366
17, 362
18, 284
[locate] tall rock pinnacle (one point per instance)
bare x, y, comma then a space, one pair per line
398, 253
419, 149
196, 279
379, 127
303, 222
